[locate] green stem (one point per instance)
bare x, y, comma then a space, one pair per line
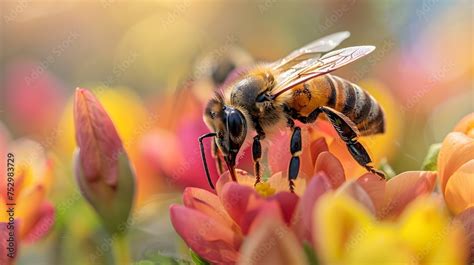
121, 251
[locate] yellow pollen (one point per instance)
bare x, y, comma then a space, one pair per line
264, 189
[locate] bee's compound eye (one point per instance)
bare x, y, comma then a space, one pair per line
236, 123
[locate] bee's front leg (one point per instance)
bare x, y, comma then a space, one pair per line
295, 149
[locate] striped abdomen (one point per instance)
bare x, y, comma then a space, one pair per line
343, 96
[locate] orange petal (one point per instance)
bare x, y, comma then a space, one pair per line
207, 237
317, 147
375, 188
456, 149
331, 167
272, 243
459, 194
208, 203
404, 188
27, 208
466, 125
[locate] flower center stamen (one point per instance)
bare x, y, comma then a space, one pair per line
264, 189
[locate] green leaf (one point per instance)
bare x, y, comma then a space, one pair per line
430, 163
387, 169
310, 254
197, 259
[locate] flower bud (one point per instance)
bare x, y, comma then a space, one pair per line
102, 168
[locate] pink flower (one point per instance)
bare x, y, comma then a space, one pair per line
221, 227
34, 97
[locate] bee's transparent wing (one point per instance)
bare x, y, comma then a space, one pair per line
314, 67
311, 50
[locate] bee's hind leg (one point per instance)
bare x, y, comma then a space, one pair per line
295, 149
349, 134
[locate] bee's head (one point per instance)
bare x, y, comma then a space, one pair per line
230, 127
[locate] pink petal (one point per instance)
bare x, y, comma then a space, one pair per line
242, 178
356, 191
242, 203
190, 170
404, 188
207, 237
375, 188
332, 168
272, 243
279, 152
287, 202
266, 210
43, 224
302, 221
34, 98
207, 203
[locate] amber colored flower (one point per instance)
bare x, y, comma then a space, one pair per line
456, 166
102, 167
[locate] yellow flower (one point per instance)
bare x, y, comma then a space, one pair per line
346, 233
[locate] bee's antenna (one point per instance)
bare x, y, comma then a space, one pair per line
203, 156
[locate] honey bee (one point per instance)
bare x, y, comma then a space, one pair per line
297, 87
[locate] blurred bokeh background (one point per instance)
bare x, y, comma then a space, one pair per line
141, 57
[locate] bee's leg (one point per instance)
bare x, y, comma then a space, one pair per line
257, 153
216, 153
349, 134
295, 149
